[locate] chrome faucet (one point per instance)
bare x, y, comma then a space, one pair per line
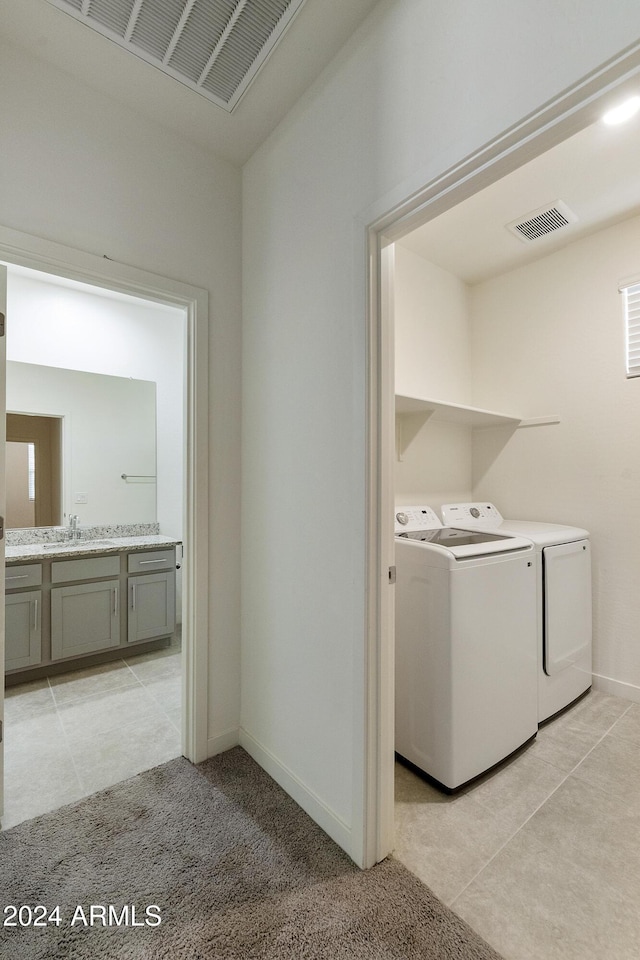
74, 532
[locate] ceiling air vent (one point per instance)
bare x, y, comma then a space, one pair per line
541, 222
216, 47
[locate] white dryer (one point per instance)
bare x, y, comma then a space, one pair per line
466, 646
564, 614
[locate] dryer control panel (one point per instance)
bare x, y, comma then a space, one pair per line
476, 514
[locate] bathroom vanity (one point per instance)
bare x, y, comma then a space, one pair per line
72, 603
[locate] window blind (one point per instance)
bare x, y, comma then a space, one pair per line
31, 467
631, 296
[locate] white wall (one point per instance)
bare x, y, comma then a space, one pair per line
549, 339
77, 329
420, 86
431, 317
432, 360
80, 169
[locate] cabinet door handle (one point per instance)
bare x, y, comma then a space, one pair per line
115, 601
162, 560
133, 596
35, 613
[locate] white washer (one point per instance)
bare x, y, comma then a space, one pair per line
466, 646
564, 616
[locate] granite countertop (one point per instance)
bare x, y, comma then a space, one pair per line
102, 545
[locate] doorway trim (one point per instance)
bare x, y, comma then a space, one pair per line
576, 108
50, 257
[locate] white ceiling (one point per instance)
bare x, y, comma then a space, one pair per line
596, 173
315, 35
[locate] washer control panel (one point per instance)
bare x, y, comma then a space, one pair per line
466, 514
410, 519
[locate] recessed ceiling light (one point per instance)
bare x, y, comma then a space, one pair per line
622, 112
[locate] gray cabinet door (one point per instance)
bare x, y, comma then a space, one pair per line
152, 606
23, 630
84, 618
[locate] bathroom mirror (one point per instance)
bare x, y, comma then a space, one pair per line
106, 471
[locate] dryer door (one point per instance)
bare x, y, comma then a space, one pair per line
567, 604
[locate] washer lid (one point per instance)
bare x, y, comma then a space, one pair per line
463, 544
451, 537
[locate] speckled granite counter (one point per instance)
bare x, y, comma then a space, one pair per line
53, 550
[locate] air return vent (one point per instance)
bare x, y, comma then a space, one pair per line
216, 47
539, 223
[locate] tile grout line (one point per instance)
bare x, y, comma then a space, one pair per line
139, 683
87, 696
160, 704
539, 807
57, 706
66, 740
58, 711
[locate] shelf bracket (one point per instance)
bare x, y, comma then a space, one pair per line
408, 426
538, 421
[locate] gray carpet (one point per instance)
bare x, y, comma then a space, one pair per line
237, 870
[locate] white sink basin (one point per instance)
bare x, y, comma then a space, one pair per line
77, 544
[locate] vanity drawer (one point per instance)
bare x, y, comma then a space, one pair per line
151, 560
23, 575
86, 568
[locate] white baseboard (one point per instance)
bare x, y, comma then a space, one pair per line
616, 688
336, 828
224, 741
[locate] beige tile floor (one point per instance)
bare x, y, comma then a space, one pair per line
68, 736
542, 857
